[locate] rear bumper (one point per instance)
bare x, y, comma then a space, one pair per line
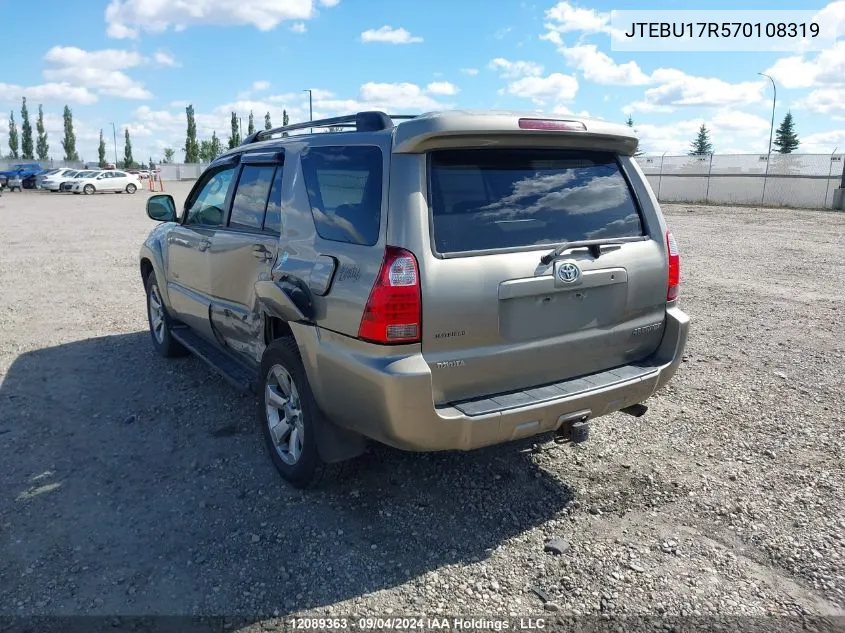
385, 393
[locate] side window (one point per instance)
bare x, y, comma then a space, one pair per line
251, 196
345, 188
273, 217
206, 205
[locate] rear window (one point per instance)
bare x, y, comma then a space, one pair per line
495, 199
344, 186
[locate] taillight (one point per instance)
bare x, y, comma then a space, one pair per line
393, 313
674, 267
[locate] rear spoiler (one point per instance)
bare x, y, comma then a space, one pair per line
480, 130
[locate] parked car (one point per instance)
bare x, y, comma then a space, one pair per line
445, 282
69, 181
14, 181
26, 172
53, 181
107, 181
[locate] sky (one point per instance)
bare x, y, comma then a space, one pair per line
137, 64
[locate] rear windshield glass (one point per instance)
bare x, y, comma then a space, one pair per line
493, 199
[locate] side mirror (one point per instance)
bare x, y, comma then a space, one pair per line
161, 208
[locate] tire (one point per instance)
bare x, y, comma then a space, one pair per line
281, 361
160, 322
130, 188
88, 190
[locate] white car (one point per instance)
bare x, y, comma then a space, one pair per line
111, 180
53, 181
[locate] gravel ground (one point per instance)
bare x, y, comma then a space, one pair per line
136, 485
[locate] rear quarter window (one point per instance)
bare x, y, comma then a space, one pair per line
344, 185
484, 199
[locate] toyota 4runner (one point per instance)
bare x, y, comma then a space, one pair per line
445, 281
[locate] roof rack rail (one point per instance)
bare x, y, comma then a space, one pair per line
371, 121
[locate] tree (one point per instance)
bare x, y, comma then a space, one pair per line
26, 132
128, 161
192, 148
235, 138
701, 146
630, 124
216, 147
786, 138
69, 140
250, 128
205, 151
267, 124
169, 153
101, 151
13, 136
285, 121
42, 148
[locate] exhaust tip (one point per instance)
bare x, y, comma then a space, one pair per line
636, 410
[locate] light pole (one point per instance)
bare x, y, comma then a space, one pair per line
771, 129
774, 100
310, 107
114, 138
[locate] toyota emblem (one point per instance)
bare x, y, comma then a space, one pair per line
568, 272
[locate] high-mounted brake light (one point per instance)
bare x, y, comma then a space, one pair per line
552, 124
674, 281
393, 313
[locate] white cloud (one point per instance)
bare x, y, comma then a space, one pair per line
824, 142
566, 17
389, 35
259, 86
102, 70
823, 101
731, 131
126, 18
601, 68
472, 72
442, 88
165, 59
676, 88
58, 92
298, 27
555, 87
825, 69
512, 70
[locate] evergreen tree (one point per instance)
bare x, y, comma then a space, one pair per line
786, 138
235, 138
191, 145
42, 148
69, 141
169, 153
13, 136
701, 146
128, 161
101, 151
285, 120
630, 124
250, 128
27, 151
267, 124
216, 148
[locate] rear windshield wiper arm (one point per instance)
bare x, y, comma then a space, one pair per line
593, 245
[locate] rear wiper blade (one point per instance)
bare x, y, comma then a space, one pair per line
593, 245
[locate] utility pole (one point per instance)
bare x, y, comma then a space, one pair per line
114, 138
310, 107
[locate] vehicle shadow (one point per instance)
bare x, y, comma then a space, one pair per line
140, 485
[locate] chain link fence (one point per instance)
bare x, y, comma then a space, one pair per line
784, 180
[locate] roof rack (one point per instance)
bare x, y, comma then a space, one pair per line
371, 121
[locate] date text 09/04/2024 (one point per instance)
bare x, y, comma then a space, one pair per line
723, 29
415, 623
